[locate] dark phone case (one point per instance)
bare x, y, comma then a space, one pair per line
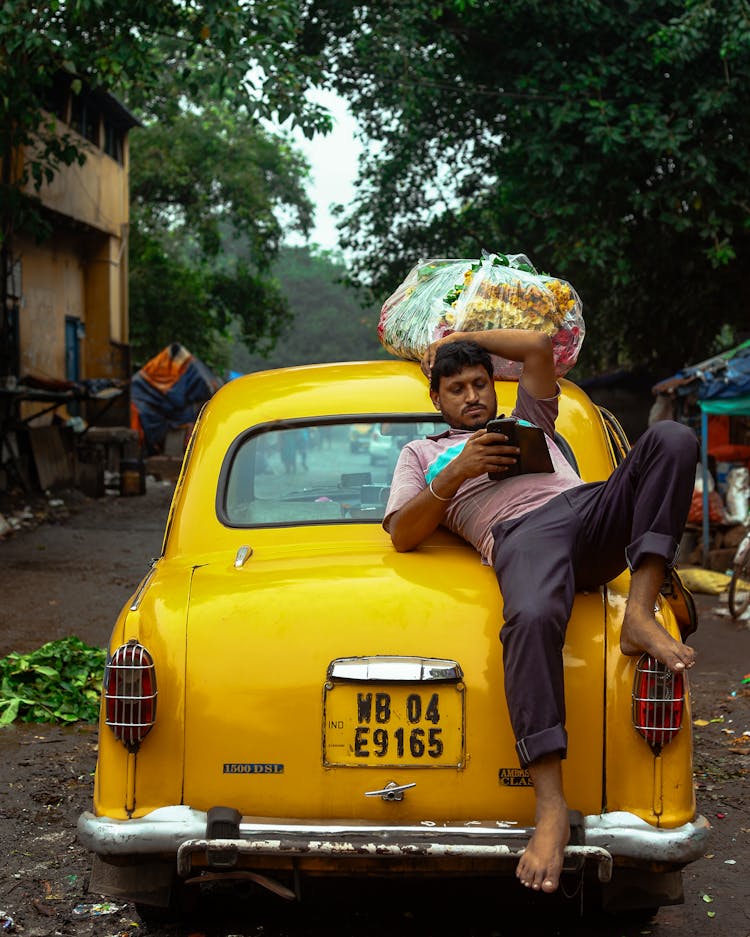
534, 455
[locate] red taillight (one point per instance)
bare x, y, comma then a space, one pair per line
658, 700
130, 693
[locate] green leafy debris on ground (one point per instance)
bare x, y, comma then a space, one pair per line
59, 682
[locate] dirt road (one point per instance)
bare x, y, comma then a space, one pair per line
71, 574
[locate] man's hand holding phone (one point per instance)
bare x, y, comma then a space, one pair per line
505, 426
529, 443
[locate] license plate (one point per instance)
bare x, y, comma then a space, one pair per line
393, 726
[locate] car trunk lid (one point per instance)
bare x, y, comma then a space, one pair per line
316, 680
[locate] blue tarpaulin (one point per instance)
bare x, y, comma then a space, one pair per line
168, 392
724, 377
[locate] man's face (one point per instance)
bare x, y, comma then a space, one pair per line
467, 399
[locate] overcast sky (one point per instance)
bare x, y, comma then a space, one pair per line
333, 162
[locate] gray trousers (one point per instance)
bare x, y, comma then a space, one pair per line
580, 540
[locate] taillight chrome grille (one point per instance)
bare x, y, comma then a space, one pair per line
130, 694
658, 702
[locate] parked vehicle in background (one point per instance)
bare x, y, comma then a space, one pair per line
288, 696
383, 445
359, 437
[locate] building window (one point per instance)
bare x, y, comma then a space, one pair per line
85, 117
112, 141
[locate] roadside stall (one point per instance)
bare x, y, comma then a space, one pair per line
45, 442
715, 395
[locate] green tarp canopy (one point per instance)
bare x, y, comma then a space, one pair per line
731, 406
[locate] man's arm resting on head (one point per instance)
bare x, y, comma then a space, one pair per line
532, 349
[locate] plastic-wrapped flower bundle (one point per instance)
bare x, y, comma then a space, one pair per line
497, 292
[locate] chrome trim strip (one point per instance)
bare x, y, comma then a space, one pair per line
382, 669
141, 590
620, 834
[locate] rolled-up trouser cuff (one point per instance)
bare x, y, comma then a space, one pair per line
659, 544
533, 747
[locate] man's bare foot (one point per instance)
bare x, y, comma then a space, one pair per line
641, 632
540, 865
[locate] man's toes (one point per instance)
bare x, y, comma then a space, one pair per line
684, 659
526, 875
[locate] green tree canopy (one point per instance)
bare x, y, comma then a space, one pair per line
326, 322
208, 192
608, 141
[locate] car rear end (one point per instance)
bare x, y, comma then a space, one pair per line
306, 701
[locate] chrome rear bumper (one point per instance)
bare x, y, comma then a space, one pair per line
181, 832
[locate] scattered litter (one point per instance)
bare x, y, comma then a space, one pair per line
25, 517
746, 678
427, 822
721, 816
700, 722
707, 898
709, 855
42, 908
730, 862
710, 913
6, 922
96, 910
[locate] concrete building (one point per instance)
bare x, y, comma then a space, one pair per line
64, 338
70, 315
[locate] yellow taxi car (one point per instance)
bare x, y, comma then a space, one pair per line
288, 696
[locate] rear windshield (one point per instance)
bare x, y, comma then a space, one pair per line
315, 473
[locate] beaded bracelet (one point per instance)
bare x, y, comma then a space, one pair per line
436, 495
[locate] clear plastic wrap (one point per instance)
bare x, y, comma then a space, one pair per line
499, 291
